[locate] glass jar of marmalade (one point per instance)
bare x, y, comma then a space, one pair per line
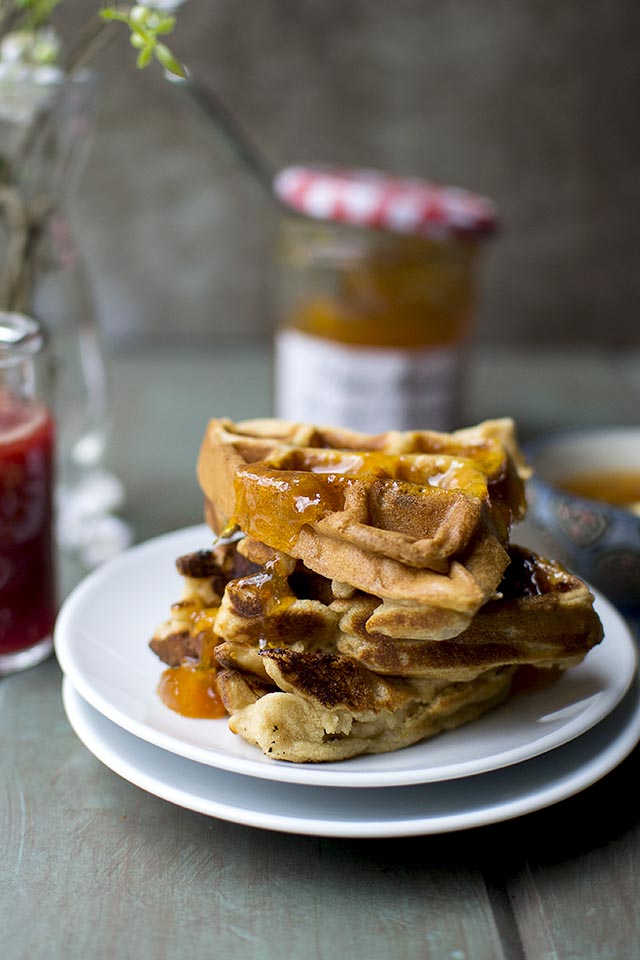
376, 296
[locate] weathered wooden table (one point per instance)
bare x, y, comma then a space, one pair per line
95, 867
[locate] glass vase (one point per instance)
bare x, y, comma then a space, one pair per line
46, 126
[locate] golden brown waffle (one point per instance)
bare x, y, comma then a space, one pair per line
306, 681
325, 707
304, 701
430, 604
304, 678
239, 463
544, 618
417, 517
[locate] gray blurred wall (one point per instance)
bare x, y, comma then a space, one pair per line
533, 102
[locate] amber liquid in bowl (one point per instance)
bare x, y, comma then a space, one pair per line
619, 488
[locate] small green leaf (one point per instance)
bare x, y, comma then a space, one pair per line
168, 61
166, 25
145, 56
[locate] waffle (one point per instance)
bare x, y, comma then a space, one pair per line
419, 517
190, 626
328, 707
289, 689
303, 678
544, 618
374, 598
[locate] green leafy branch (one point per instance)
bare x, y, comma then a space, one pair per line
147, 26
26, 27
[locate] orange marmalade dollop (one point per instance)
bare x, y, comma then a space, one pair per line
191, 689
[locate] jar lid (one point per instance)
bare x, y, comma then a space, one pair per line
369, 198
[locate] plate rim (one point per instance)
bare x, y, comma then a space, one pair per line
328, 774
557, 787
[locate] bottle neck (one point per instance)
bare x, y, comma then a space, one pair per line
21, 343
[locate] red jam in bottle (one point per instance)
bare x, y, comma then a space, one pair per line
27, 580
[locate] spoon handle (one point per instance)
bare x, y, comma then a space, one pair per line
231, 129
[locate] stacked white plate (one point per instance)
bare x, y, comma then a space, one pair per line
536, 749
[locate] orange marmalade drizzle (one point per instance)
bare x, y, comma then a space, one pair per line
191, 689
301, 499
273, 583
306, 486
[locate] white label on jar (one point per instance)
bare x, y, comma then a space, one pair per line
365, 388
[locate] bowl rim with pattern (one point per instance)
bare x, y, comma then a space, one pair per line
598, 541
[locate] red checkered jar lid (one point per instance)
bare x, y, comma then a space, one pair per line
369, 198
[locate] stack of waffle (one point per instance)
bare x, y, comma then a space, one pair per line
373, 598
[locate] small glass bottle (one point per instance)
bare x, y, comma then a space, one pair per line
376, 298
27, 577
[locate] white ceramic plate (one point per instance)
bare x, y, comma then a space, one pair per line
387, 812
101, 643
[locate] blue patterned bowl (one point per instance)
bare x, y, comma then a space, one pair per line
600, 543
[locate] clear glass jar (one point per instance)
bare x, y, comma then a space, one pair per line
27, 567
373, 323
46, 126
